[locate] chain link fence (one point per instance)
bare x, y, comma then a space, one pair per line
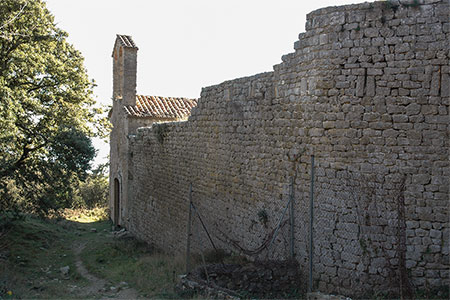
359, 233
344, 228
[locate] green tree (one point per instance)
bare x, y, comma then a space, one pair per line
94, 190
46, 108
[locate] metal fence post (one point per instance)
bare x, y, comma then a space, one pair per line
279, 224
188, 246
291, 215
311, 219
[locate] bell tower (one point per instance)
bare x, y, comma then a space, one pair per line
124, 70
124, 93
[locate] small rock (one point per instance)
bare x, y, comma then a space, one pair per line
113, 289
121, 233
93, 229
72, 287
320, 296
65, 270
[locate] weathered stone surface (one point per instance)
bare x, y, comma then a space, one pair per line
368, 98
268, 279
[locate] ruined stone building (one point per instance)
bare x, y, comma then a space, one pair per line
366, 91
129, 112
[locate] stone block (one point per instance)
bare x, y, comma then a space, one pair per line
329, 124
325, 103
371, 32
436, 234
413, 109
429, 109
445, 85
383, 91
370, 86
393, 40
400, 118
402, 30
373, 72
316, 132
323, 39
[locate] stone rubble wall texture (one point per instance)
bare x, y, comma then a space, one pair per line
367, 92
261, 279
124, 93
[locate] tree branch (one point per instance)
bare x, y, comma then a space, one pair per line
16, 16
26, 151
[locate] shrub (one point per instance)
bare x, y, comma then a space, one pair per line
93, 191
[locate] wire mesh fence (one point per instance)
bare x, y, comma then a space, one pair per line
346, 229
359, 233
272, 228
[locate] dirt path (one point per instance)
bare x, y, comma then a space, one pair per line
99, 288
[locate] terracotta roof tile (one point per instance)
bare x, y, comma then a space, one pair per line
161, 107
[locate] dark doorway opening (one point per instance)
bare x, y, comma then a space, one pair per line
116, 201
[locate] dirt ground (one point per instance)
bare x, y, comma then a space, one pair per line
47, 259
99, 288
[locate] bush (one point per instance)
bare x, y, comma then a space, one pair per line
93, 191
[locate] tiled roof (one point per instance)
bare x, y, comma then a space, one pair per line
161, 107
126, 41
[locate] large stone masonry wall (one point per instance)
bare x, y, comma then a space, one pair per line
367, 92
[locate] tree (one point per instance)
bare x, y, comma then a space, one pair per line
94, 191
46, 108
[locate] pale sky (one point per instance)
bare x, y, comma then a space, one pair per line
183, 45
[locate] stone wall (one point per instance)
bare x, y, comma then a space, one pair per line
366, 92
124, 93
260, 279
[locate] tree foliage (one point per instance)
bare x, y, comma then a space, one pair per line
94, 190
46, 108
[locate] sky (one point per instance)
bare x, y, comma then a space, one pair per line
184, 45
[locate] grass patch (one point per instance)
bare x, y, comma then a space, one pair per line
32, 251
84, 215
149, 271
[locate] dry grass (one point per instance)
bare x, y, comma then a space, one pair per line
149, 271
35, 249
83, 215
29, 263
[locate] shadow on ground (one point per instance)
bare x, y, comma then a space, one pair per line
62, 258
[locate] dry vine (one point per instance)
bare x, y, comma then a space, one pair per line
250, 252
365, 202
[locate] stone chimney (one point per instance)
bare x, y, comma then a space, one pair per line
124, 70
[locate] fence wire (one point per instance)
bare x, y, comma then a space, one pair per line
349, 240
359, 233
271, 226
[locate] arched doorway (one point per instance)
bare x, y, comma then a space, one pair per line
116, 201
